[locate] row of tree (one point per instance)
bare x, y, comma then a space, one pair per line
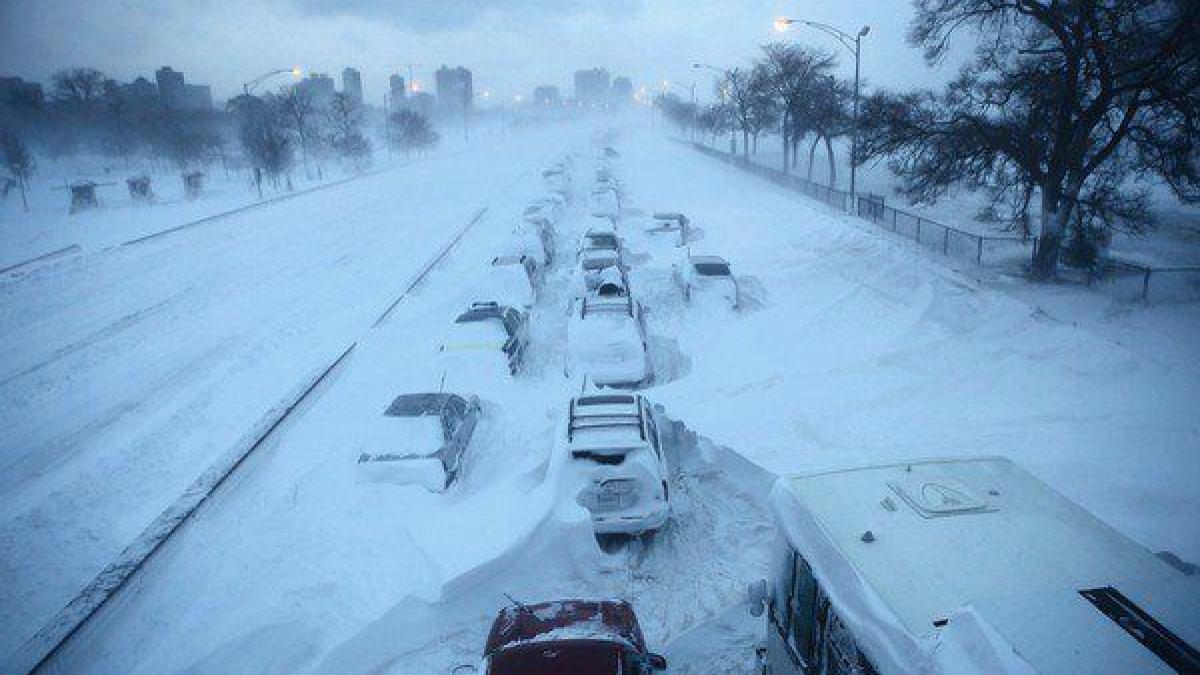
89, 113
1063, 116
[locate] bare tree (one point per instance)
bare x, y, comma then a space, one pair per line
267, 146
79, 86
18, 160
411, 132
793, 72
752, 103
1065, 101
300, 113
828, 117
345, 130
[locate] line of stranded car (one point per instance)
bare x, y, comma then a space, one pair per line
968, 566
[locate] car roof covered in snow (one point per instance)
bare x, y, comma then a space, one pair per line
509, 259
413, 405
708, 260
605, 420
610, 620
954, 543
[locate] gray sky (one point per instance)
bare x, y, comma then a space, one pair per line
511, 45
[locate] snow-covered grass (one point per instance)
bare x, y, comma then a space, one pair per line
851, 347
1175, 241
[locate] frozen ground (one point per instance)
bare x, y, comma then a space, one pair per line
852, 346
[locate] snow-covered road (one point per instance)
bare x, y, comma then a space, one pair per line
126, 373
852, 347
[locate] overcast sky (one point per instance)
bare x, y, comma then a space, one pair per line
511, 45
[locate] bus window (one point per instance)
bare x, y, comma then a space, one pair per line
803, 610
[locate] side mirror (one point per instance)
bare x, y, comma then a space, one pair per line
756, 597
657, 661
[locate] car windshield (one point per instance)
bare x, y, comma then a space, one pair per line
603, 240
711, 269
599, 262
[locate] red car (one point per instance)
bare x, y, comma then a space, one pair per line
569, 637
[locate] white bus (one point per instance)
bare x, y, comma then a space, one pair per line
963, 567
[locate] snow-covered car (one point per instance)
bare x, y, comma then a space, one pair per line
490, 337
606, 202
606, 342
513, 280
613, 446
535, 241
703, 275
669, 222
963, 567
600, 238
422, 440
575, 637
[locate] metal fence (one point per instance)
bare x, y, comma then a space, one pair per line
981, 249
1123, 278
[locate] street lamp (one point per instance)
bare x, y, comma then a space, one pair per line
724, 94
295, 72
854, 44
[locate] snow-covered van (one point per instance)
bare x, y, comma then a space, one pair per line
614, 447
964, 567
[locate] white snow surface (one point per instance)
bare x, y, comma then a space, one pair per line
128, 372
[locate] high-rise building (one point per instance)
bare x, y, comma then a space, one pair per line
546, 94
196, 97
175, 93
397, 90
352, 85
622, 90
141, 90
319, 87
170, 87
455, 90
592, 86
422, 102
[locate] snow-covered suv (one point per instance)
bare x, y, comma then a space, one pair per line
606, 341
579, 637
614, 448
433, 429
513, 280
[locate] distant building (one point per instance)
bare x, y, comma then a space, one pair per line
175, 93
197, 97
170, 87
622, 90
319, 87
397, 90
18, 93
141, 90
546, 95
455, 90
422, 102
592, 87
352, 85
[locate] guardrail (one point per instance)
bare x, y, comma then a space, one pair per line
1127, 279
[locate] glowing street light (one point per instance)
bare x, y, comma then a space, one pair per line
854, 44
248, 86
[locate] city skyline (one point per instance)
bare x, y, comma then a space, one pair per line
511, 50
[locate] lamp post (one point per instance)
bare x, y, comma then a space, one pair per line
724, 95
854, 44
248, 86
